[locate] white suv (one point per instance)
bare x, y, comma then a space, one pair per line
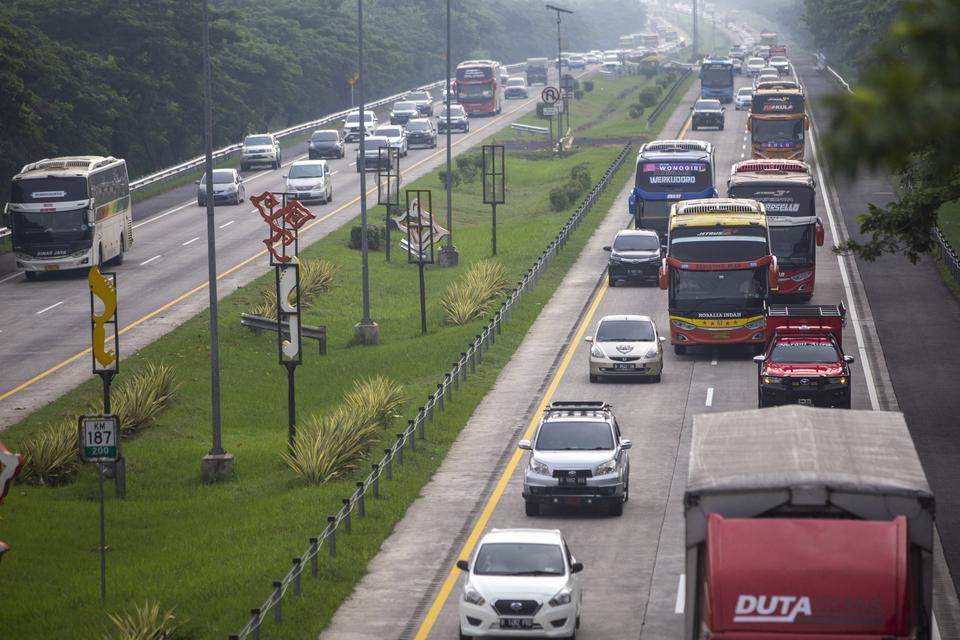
521, 582
260, 149
351, 126
310, 180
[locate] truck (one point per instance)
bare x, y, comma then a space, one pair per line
804, 362
537, 70
804, 523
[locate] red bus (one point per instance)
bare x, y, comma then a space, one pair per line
477, 87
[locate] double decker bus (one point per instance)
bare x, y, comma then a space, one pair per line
668, 171
718, 273
788, 192
716, 79
778, 121
768, 38
649, 41
70, 213
477, 87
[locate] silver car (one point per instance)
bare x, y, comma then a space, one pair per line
227, 188
626, 346
577, 457
395, 135
743, 99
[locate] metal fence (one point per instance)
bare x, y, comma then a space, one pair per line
462, 367
4, 232
666, 100
943, 247
196, 163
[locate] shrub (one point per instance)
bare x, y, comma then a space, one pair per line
374, 234
51, 457
147, 623
581, 176
454, 178
471, 297
649, 96
139, 399
332, 446
563, 196
636, 110
648, 71
559, 199
588, 85
469, 166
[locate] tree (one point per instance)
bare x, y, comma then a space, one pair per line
903, 119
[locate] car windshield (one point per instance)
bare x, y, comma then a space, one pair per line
778, 60
417, 95
708, 105
625, 331
418, 126
390, 132
454, 112
519, 559
258, 140
220, 176
804, 353
306, 171
372, 142
636, 243
745, 92
405, 106
574, 436
355, 117
325, 136
515, 82
755, 62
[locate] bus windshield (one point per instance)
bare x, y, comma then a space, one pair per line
38, 190
474, 73
719, 75
777, 103
709, 290
37, 228
468, 92
793, 246
778, 132
794, 202
674, 177
719, 244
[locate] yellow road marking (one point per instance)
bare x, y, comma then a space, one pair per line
686, 126
491, 504
184, 296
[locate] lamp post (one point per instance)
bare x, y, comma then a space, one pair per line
366, 331
566, 106
448, 253
217, 464
696, 29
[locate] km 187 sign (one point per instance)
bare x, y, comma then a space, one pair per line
99, 437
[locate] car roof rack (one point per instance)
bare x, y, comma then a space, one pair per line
808, 310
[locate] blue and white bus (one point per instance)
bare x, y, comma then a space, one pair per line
716, 79
70, 213
669, 171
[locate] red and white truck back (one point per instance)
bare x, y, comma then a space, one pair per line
807, 524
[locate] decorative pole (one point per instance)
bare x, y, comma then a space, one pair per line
494, 183
448, 254
388, 187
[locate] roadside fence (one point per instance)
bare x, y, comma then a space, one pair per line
463, 366
667, 98
943, 248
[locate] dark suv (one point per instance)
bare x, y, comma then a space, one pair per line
707, 112
325, 143
420, 132
634, 255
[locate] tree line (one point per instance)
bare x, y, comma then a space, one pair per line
124, 77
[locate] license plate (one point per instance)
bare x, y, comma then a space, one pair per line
516, 623
721, 334
51, 267
807, 402
573, 480
623, 365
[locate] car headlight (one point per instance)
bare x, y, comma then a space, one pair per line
801, 276
838, 380
597, 352
538, 467
652, 353
472, 596
564, 596
754, 324
772, 380
614, 258
686, 326
606, 467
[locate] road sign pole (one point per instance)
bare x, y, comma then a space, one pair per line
103, 539
98, 440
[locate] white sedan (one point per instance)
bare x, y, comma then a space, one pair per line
521, 582
626, 346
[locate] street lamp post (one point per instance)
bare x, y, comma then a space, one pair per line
366, 331
448, 253
217, 464
560, 10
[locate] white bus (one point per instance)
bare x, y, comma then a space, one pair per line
70, 213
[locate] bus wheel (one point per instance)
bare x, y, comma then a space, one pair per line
100, 257
30, 275
123, 248
679, 349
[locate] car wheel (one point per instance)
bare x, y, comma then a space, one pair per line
679, 349
626, 492
594, 378
845, 404
656, 378
30, 275
199, 202
532, 508
464, 636
616, 509
693, 126
330, 198
244, 167
721, 127
611, 282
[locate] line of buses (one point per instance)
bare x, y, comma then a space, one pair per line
724, 258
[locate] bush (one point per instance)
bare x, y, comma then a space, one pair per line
469, 166
454, 178
648, 71
330, 447
563, 196
374, 235
139, 399
559, 200
51, 457
316, 276
588, 85
636, 110
147, 623
649, 96
471, 297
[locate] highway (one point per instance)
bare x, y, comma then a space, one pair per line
44, 324
633, 580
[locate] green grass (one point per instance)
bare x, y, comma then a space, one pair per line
212, 551
948, 219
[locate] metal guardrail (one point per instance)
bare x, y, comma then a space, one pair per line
4, 232
462, 367
947, 254
529, 128
196, 163
823, 66
670, 94
260, 323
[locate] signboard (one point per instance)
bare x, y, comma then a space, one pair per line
99, 437
550, 95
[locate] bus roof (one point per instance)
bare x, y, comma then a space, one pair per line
478, 63
778, 86
712, 211
771, 172
673, 147
72, 165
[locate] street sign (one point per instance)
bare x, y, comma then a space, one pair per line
550, 94
99, 437
549, 111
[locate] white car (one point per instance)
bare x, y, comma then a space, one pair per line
310, 180
781, 64
260, 149
626, 345
743, 99
351, 125
516, 87
754, 65
395, 135
771, 76
521, 582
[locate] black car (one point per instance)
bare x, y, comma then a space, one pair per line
707, 112
403, 111
458, 119
325, 143
420, 132
634, 255
423, 100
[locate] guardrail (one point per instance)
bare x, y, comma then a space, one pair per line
4, 232
670, 94
529, 128
462, 367
196, 163
259, 323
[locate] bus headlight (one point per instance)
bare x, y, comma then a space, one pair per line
800, 277
754, 324
686, 326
